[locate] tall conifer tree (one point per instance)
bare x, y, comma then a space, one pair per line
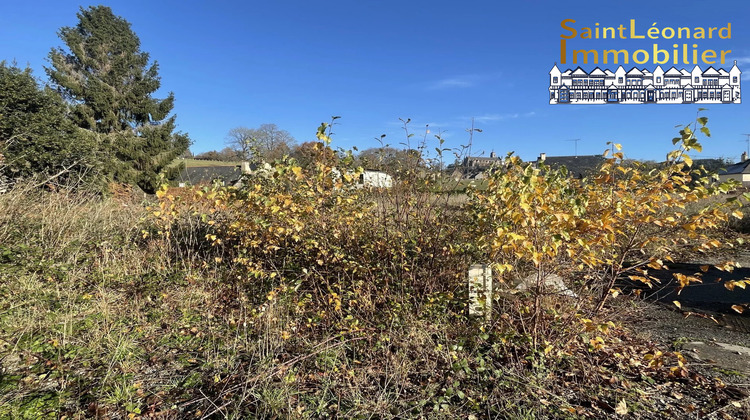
36, 137
109, 82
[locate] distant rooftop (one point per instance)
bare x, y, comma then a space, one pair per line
737, 168
207, 174
578, 166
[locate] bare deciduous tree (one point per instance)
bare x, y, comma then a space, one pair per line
242, 140
267, 142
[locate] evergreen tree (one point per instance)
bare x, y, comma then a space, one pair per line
109, 83
36, 138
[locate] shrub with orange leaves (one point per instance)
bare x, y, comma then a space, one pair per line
623, 220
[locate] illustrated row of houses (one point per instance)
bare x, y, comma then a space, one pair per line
638, 86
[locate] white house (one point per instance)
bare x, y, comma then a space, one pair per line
375, 179
739, 171
638, 86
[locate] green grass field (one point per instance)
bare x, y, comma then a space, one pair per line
195, 163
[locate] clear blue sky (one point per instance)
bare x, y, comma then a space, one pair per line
297, 63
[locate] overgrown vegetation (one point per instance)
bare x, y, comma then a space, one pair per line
98, 122
38, 143
302, 296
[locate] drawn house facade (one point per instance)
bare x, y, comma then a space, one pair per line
638, 86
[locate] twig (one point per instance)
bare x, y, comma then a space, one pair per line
284, 366
53, 177
725, 406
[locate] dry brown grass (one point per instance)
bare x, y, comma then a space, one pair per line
95, 320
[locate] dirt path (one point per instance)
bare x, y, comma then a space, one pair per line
716, 346
705, 329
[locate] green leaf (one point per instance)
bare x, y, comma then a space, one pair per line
705, 131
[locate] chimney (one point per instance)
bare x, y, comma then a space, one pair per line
493, 155
743, 157
542, 157
245, 167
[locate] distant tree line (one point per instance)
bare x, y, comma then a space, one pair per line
269, 143
226, 154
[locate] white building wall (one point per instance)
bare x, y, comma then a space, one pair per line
376, 179
743, 178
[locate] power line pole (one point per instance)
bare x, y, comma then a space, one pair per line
576, 146
747, 140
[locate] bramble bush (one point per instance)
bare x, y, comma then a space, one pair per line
622, 221
350, 248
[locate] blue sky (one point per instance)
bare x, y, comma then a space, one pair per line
297, 63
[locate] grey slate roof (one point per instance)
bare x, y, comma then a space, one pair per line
207, 174
578, 166
737, 168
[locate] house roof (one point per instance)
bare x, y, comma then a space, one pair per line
635, 72
597, 72
207, 174
711, 72
673, 72
711, 164
578, 166
737, 168
579, 72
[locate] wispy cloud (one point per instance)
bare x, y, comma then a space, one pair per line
460, 81
490, 118
746, 72
455, 82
